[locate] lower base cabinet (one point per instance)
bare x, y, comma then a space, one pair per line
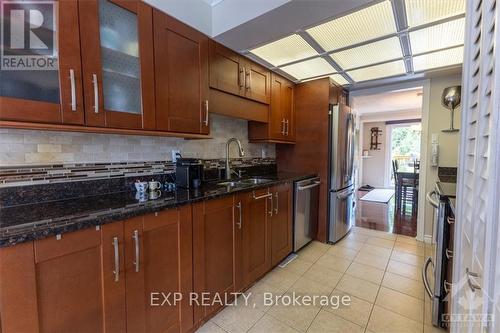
101, 280
216, 234
281, 223
128, 276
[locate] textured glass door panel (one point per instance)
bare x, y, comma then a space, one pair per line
35, 85
121, 93
120, 58
42, 86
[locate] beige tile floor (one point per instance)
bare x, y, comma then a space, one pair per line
379, 271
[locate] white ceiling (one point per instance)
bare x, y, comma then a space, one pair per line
408, 99
213, 2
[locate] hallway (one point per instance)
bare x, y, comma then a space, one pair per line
386, 217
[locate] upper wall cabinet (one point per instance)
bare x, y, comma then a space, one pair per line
117, 59
181, 69
50, 94
280, 127
234, 74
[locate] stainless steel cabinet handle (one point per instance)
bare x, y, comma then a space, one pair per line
276, 208
448, 253
241, 77
424, 276
206, 113
283, 126
472, 284
238, 205
450, 220
73, 89
248, 82
301, 188
116, 272
270, 212
135, 237
447, 286
261, 196
434, 203
95, 82
287, 126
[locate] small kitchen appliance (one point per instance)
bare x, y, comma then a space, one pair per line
188, 173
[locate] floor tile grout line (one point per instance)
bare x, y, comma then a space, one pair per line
343, 274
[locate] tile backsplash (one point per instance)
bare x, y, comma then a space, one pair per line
32, 147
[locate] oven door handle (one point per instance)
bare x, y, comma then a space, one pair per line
302, 188
424, 276
430, 198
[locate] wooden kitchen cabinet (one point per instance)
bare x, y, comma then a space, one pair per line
48, 96
101, 280
280, 127
256, 229
237, 75
281, 223
117, 62
181, 69
65, 285
216, 232
158, 259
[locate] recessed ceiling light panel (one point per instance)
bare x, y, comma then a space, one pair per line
438, 59
420, 12
309, 68
438, 36
339, 79
383, 50
285, 50
378, 71
368, 23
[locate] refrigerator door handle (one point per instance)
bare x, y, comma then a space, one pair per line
345, 194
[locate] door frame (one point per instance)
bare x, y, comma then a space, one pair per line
426, 87
388, 150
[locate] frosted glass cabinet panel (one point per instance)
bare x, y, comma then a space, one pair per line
120, 58
118, 63
40, 78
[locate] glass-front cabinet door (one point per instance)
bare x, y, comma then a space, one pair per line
40, 73
117, 58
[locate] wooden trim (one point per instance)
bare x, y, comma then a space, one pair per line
118, 119
271, 141
101, 130
16, 109
237, 107
146, 58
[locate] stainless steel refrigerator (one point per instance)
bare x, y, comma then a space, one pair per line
341, 193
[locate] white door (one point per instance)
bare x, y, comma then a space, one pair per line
476, 246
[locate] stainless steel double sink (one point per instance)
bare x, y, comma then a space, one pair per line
244, 182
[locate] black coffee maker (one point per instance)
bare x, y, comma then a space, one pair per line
188, 172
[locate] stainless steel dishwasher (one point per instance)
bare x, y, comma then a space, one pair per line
305, 211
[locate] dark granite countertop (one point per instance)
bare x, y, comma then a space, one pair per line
37, 221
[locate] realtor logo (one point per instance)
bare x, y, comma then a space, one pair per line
28, 35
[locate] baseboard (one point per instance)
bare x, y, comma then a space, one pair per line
428, 239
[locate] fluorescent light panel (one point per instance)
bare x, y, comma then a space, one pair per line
383, 50
308, 68
369, 23
420, 12
339, 79
378, 71
438, 36
438, 59
285, 50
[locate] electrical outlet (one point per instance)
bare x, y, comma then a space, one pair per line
174, 154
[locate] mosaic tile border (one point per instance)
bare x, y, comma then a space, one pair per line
60, 173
